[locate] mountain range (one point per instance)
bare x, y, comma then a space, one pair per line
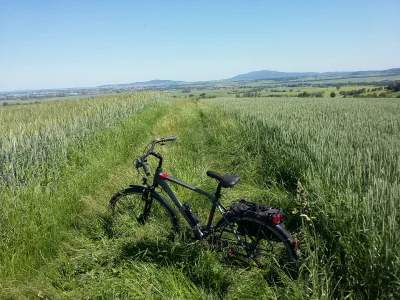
263, 74
251, 76
266, 74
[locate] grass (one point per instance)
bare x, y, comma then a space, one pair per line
32, 138
347, 155
39, 154
332, 164
86, 255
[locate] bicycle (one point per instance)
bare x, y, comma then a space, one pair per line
246, 237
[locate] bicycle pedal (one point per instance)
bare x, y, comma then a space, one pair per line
198, 233
205, 228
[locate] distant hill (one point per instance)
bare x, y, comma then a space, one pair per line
394, 71
144, 83
258, 75
267, 74
251, 76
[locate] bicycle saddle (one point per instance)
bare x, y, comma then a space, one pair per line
225, 180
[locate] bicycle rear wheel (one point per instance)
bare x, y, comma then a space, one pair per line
268, 246
143, 215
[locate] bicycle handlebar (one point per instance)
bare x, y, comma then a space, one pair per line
142, 161
146, 168
167, 139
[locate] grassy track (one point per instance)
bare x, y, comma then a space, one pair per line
90, 264
290, 153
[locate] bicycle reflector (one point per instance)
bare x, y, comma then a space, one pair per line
276, 219
296, 243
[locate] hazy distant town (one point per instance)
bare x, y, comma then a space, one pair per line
42, 94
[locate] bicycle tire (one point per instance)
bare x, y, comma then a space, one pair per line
145, 215
270, 246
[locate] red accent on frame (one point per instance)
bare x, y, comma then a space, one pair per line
164, 175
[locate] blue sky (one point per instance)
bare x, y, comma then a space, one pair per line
56, 44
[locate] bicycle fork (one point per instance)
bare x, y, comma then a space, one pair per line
147, 207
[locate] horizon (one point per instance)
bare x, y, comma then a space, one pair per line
63, 45
157, 79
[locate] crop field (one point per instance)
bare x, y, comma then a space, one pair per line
346, 153
357, 79
332, 164
350, 87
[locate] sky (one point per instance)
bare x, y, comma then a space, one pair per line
76, 43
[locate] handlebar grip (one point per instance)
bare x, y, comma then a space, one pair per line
170, 138
146, 169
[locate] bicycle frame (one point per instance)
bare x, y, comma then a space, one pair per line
160, 179
229, 219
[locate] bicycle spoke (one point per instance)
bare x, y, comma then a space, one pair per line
270, 250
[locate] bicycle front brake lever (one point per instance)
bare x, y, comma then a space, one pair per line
138, 164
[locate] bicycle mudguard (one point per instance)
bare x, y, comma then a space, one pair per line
246, 223
133, 188
284, 232
147, 195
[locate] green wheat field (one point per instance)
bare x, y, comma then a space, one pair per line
332, 164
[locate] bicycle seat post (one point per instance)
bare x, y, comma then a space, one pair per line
218, 192
214, 206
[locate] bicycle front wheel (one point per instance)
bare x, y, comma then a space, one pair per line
142, 214
268, 246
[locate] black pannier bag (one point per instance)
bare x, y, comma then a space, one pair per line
266, 214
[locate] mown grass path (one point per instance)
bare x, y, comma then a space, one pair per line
90, 265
